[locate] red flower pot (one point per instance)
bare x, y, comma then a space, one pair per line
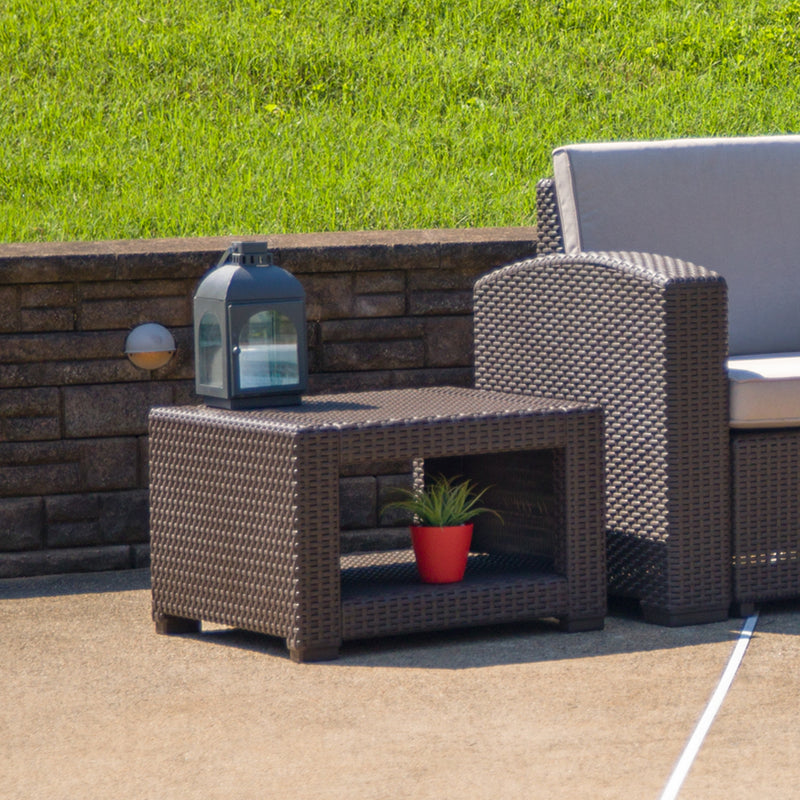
441, 553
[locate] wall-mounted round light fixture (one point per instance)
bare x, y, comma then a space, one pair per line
149, 346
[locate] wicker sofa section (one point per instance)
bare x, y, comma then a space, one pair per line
702, 517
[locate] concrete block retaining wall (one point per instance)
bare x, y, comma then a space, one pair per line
384, 309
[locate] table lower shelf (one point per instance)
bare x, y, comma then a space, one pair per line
383, 595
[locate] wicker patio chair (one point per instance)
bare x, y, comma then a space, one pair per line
702, 443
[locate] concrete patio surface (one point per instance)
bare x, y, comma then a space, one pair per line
96, 705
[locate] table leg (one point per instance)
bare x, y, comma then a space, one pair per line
582, 624
168, 624
320, 653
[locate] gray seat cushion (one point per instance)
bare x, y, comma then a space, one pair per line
765, 391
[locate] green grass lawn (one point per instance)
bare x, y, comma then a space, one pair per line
203, 117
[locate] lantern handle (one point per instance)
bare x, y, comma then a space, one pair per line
225, 256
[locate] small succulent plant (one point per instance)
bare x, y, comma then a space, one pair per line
443, 503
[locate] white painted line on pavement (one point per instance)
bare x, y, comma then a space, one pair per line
696, 739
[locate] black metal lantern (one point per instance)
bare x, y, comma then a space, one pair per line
250, 332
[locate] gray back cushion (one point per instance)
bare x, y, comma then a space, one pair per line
731, 205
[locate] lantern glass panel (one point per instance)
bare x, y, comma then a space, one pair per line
268, 351
211, 356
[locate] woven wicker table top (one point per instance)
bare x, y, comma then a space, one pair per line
337, 412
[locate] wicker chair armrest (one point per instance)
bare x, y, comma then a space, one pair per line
652, 268
565, 325
643, 335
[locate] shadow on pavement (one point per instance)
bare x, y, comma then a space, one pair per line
491, 646
127, 580
470, 648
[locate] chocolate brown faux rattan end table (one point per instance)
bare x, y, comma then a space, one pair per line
245, 516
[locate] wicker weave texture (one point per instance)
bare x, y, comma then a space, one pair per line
548, 222
766, 515
224, 544
763, 465
495, 589
245, 513
642, 336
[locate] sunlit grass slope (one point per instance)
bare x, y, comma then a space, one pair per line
202, 117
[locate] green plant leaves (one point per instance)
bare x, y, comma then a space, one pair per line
444, 502
219, 117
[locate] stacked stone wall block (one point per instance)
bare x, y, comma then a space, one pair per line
389, 467
98, 315
181, 367
32, 414
385, 309
68, 466
21, 523
367, 540
429, 303
47, 307
362, 497
448, 340
99, 291
116, 409
143, 450
74, 559
358, 498
365, 525
140, 556
333, 382
390, 488
82, 520
9, 309
356, 330
372, 355
329, 296
185, 393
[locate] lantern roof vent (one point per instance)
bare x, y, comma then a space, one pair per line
245, 273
